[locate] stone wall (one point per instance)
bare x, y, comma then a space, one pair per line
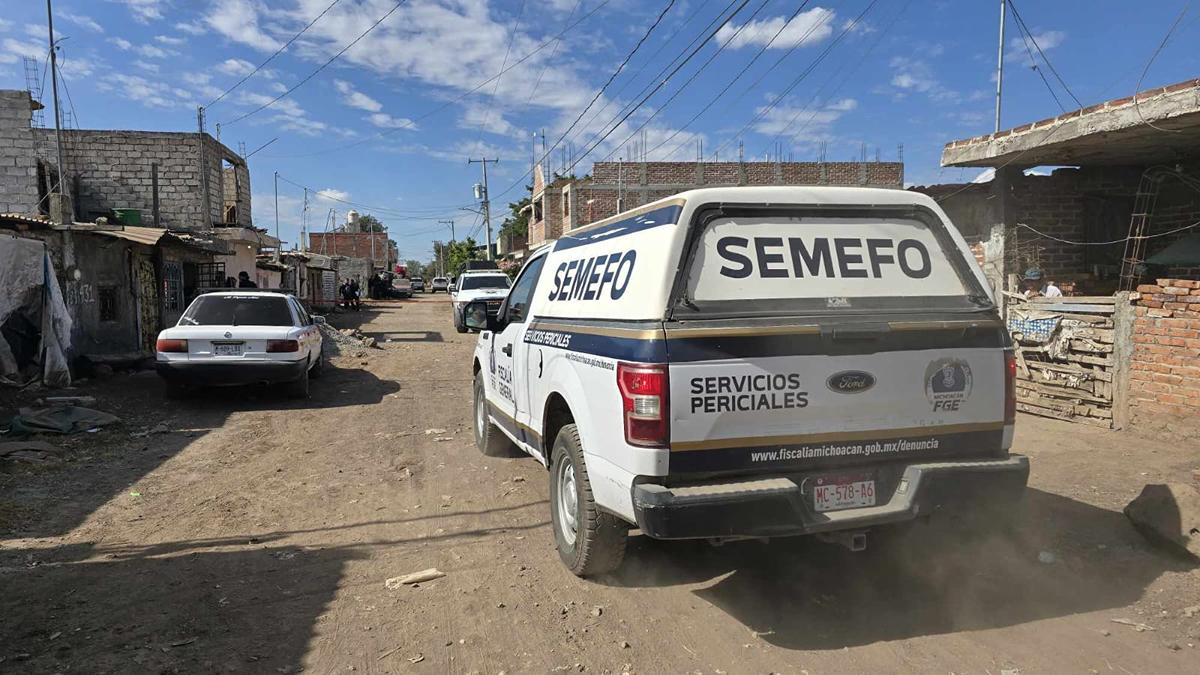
18, 165
1165, 370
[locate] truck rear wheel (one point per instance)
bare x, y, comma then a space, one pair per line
491, 441
589, 541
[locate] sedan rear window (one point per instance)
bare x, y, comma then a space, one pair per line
237, 310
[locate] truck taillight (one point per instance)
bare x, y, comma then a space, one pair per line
1010, 387
644, 398
171, 346
278, 346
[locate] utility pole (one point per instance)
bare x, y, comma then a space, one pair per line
304, 224
206, 198
1000, 62
487, 202
451, 224
278, 243
62, 168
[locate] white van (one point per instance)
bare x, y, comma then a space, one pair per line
752, 362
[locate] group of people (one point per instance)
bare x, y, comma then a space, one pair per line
351, 294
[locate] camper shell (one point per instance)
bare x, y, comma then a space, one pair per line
750, 362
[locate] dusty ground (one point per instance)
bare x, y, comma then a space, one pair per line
255, 535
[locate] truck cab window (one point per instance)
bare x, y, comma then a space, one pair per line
522, 291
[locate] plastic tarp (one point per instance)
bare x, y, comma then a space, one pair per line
60, 420
1183, 252
27, 282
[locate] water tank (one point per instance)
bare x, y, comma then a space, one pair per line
352, 221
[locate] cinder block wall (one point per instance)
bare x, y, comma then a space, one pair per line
115, 171
1164, 377
18, 165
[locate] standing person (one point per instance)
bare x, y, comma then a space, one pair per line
244, 280
1052, 291
355, 293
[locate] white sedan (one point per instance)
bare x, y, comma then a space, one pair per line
230, 338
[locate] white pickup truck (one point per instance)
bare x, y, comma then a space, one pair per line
752, 362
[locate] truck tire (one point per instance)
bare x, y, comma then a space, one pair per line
491, 441
589, 541
460, 327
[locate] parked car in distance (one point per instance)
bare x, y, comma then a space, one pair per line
440, 285
418, 285
231, 338
488, 286
402, 287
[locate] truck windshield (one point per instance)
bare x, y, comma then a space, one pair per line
824, 261
237, 310
473, 282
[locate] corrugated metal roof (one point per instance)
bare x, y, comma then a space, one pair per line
22, 218
141, 235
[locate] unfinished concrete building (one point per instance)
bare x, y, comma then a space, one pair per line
174, 180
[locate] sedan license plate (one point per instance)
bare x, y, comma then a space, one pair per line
227, 350
836, 493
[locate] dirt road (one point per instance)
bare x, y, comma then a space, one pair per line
251, 533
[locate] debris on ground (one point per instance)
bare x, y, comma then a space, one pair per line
435, 430
414, 578
68, 400
32, 452
1168, 514
1189, 612
1047, 557
160, 428
347, 341
60, 420
1136, 625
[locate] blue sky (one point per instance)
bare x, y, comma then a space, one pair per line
391, 123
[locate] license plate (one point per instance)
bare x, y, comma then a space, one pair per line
227, 350
833, 494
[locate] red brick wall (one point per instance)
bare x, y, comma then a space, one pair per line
1164, 376
351, 244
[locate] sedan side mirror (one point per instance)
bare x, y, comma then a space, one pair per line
475, 317
317, 319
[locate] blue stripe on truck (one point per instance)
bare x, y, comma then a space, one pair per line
667, 215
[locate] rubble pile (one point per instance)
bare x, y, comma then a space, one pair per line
344, 342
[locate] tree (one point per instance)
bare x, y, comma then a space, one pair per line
369, 223
457, 255
517, 222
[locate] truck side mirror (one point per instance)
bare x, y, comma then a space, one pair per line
475, 316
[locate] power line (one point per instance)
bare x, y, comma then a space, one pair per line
683, 87
1025, 38
553, 53
600, 92
657, 87
1137, 88
1108, 243
803, 74
272, 57
496, 90
740, 74
461, 96
858, 64
380, 209
319, 68
1053, 70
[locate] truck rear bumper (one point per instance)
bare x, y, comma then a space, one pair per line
780, 505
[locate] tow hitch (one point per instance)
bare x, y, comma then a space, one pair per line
854, 540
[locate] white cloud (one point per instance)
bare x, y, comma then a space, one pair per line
13, 50
1047, 40
355, 98
80, 20
386, 121
191, 27
146, 66
144, 11
333, 194
807, 28
984, 176
169, 40
235, 67
804, 124
122, 44
238, 21
152, 52
5, 24
915, 75
150, 93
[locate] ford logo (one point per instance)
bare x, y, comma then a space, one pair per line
850, 382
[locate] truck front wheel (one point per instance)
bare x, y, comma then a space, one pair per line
491, 441
589, 541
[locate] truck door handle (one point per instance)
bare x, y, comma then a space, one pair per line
507, 350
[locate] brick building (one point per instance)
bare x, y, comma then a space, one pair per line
565, 203
198, 181
366, 245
